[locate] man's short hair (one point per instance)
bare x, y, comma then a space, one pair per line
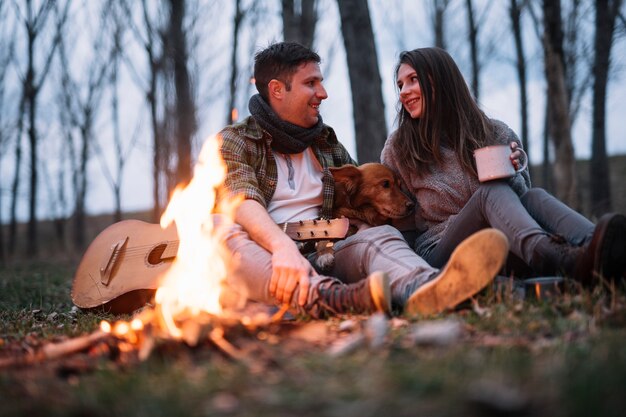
280, 61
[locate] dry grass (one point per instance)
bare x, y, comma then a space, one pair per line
564, 356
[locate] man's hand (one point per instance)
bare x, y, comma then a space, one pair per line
290, 270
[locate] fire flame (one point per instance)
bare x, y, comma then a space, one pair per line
193, 283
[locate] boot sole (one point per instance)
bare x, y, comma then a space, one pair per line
472, 265
380, 292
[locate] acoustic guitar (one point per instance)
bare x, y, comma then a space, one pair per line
121, 267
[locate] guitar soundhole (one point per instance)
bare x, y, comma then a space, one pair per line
154, 257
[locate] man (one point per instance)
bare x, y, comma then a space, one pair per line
278, 159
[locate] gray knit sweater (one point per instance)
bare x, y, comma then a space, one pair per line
443, 192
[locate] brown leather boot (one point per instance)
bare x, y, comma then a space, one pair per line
604, 256
368, 296
609, 246
553, 256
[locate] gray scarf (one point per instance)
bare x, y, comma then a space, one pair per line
286, 137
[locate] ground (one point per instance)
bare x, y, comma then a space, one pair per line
502, 354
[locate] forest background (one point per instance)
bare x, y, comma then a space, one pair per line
105, 105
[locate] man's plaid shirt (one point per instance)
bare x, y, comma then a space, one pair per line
252, 171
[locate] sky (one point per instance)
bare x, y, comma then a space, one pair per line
398, 25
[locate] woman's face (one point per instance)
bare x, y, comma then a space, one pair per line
410, 91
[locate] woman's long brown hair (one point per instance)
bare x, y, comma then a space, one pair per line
450, 116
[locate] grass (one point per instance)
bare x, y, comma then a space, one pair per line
563, 357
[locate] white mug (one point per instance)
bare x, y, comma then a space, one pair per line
494, 162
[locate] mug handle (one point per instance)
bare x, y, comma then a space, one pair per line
525, 164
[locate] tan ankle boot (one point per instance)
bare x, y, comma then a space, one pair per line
472, 265
370, 295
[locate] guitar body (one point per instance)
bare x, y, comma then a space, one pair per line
125, 258
122, 267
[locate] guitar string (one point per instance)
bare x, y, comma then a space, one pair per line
140, 251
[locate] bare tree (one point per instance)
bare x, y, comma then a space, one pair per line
7, 43
35, 20
515, 13
123, 151
84, 92
148, 34
438, 12
299, 20
559, 117
234, 74
606, 14
365, 82
473, 41
185, 109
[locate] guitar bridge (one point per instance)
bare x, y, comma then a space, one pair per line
106, 272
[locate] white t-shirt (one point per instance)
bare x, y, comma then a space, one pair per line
298, 194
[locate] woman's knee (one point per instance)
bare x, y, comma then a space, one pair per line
534, 196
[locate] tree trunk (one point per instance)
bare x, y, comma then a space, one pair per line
232, 113
515, 10
473, 41
438, 17
367, 100
185, 107
15, 185
606, 12
299, 25
559, 122
33, 139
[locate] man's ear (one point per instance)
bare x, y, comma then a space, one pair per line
349, 176
275, 89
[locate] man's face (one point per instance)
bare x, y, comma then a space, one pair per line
300, 104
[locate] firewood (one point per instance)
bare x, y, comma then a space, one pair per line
53, 351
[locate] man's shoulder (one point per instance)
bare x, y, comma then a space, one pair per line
247, 128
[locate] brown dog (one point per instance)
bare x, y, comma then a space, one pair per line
371, 193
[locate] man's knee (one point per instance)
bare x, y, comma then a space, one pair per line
382, 232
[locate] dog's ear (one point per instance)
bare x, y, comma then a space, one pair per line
349, 176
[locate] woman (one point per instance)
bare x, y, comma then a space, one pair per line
439, 127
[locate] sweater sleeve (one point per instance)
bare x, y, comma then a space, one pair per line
504, 135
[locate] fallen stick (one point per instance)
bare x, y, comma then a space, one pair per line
217, 337
54, 350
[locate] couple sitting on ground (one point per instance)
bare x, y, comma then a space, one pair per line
279, 161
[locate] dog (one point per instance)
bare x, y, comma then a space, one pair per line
371, 193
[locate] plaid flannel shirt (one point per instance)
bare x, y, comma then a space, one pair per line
252, 171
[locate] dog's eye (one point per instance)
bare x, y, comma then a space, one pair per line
386, 184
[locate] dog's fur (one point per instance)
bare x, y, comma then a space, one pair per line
371, 193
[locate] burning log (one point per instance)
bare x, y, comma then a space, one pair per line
53, 351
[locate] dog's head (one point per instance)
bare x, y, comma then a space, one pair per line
371, 186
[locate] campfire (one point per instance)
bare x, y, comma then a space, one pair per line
187, 304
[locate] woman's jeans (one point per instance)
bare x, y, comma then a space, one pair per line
524, 220
380, 248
